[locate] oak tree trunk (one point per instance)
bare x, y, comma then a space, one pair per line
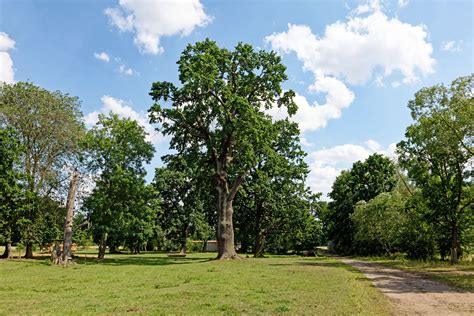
183, 240
8, 250
102, 246
225, 228
67, 241
454, 244
29, 250
259, 244
8, 243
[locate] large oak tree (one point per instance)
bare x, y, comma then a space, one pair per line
216, 115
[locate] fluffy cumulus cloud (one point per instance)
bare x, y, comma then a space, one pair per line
369, 46
150, 20
124, 110
7, 73
326, 164
102, 56
313, 116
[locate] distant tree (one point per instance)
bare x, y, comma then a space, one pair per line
438, 154
217, 117
178, 190
49, 126
363, 182
10, 186
379, 222
117, 150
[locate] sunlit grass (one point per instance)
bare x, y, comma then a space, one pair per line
153, 283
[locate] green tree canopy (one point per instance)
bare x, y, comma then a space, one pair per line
438, 155
117, 151
216, 116
49, 126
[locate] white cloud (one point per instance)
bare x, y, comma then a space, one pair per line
102, 56
451, 46
123, 110
369, 6
311, 117
327, 163
126, 70
354, 52
7, 73
149, 20
403, 3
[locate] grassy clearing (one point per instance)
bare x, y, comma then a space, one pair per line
460, 275
153, 283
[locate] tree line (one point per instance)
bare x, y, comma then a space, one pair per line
233, 173
226, 154
421, 204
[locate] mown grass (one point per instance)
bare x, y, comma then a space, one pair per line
152, 283
460, 275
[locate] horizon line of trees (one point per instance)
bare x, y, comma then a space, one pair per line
233, 174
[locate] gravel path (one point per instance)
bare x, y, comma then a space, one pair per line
412, 294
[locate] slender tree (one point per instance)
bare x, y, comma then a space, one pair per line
117, 150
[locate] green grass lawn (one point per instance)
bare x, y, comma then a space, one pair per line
153, 283
460, 275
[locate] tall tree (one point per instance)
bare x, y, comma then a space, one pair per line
178, 189
217, 114
49, 126
438, 154
117, 150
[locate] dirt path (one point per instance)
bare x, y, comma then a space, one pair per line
412, 294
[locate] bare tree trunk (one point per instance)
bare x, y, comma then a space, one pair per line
8, 250
454, 243
259, 233
8, 243
102, 246
67, 241
29, 250
225, 229
184, 240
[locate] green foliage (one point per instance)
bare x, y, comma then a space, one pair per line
274, 203
216, 116
120, 206
437, 154
363, 182
179, 192
49, 127
379, 223
10, 186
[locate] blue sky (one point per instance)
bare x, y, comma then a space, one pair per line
353, 64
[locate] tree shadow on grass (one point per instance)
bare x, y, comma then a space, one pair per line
122, 260
140, 261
